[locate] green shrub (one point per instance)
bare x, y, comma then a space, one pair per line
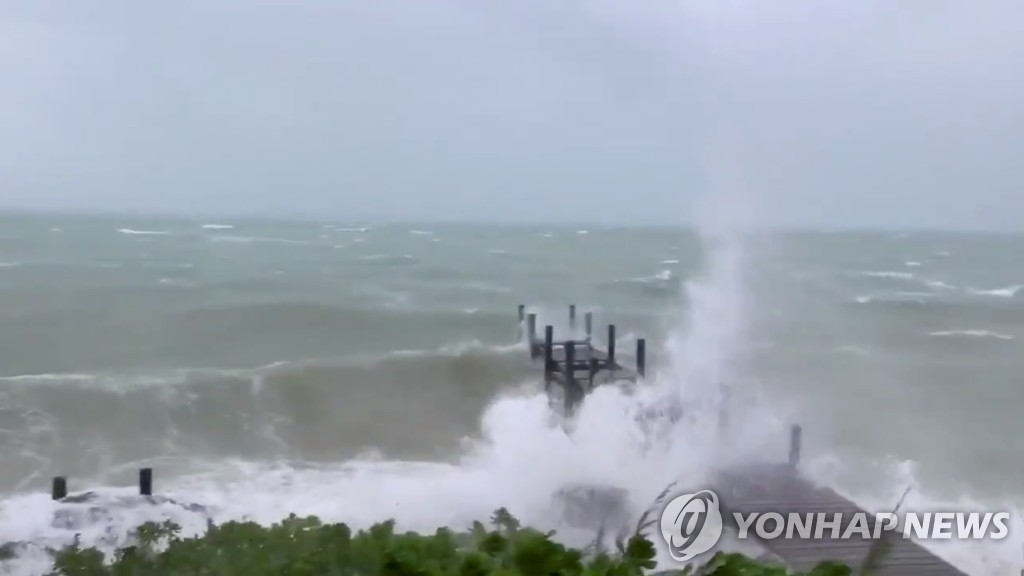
307, 547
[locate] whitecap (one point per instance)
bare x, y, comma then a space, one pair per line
217, 226
1006, 292
971, 334
133, 232
889, 274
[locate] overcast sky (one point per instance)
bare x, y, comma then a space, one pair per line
815, 113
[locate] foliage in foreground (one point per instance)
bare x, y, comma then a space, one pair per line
308, 547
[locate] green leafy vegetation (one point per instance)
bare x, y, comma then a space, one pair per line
308, 547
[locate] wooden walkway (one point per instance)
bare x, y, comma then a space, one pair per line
578, 367
780, 488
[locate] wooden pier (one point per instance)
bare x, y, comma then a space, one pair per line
577, 366
781, 488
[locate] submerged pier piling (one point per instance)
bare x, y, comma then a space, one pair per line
795, 440
146, 481
611, 344
531, 333
641, 357
59, 488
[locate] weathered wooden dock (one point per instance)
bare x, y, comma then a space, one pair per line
782, 489
576, 364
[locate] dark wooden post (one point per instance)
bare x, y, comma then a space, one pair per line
549, 343
522, 316
146, 481
531, 333
572, 316
611, 347
641, 357
795, 439
593, 369
60, 488
573, 392
588, 324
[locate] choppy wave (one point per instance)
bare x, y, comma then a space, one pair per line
888, 274
232, 239
88, 425
390, 259
1005, 292
972, 334
132, 232
217, 226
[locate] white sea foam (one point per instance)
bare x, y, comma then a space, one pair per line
10, 264
888, 274
1005, 292
233, 239
972, 334
912, 264
132, 232
217, 227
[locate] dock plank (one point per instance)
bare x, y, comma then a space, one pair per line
780, 488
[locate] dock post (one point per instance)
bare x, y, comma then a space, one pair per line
588, 324
531, 333
641, 357
611, 347
522, 316
573, 394
572, 316
146, 481
795, 437
593, 370
60, 488
549, 344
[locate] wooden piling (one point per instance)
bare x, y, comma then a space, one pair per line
795, 439
588, 324
549, 351
573, 391
641, 357
611, 346
60, 488
522, 316
531, 332
572, 316
146, 481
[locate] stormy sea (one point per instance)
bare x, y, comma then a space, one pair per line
361, 371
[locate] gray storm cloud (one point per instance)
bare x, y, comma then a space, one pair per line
807, 113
